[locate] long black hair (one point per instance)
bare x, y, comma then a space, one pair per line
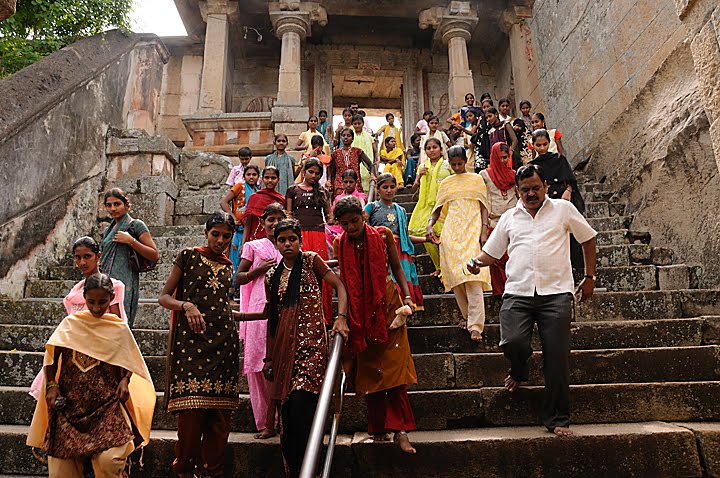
292, 293
319, 199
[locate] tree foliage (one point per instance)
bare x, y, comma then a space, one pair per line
40, 27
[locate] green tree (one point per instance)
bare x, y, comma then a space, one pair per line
41, 27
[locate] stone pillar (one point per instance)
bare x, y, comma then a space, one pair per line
216, 14
453, 26
524, 68
292, 21
702, 21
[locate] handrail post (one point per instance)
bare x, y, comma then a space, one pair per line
317, 431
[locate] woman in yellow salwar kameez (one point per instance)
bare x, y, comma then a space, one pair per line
462, 201
430, 173
394, 159
364, 141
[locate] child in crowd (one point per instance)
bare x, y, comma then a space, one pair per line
304, 140
412, 156
297, 346
253, 228
499, 179
285, 164
308, 203
505, 115
258, 257
347, 123
350, 182
462, 198
347, 157
459, 117
97, 398
430, 173
234, 203
393, 157
325, 127
364, 141
389, 131
500, 132
434, 132
318, 152
556, 146
422, 126
237, 172
525, 108
387, 213
378, 358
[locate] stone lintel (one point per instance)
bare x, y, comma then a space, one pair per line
137, 141
458, 19
217, 7
296, 16
226, 122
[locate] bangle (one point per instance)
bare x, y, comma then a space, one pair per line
408, 297
51, 384
182, 306
340, 314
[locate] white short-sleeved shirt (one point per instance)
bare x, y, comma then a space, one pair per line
538, 248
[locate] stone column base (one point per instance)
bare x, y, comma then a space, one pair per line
292, 121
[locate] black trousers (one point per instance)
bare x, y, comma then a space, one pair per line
297, 415
553, 314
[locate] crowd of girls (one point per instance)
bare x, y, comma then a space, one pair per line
258, 277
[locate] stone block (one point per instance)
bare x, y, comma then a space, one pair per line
187, 205
290, 114
715, 137
200, 169
155, 209
662, 256
673, 277
640, 253
707, 437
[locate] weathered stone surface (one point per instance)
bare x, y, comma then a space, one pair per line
673, 277
199, 169
707, 436
706, 55
627, 278
662, 256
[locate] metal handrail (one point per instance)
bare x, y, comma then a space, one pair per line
371, 192
317, 431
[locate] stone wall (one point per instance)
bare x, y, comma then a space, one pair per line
53, 124
658, 157
180, 92
595, 57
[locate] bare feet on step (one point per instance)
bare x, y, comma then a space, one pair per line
563, 431
475, 336
380, 437
401, 438
265, 434
511, 385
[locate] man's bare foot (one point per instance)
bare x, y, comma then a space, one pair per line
265, 434
475, 336
401, 438
380, 437
511, 385
563, 431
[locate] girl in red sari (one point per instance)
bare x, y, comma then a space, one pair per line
378, 337
259, 201
344, 158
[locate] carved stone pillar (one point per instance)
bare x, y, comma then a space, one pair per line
453, 26
292, 21
216, 14
525, 74
702, 21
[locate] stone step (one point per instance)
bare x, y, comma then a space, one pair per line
200, 203
440, 309
625, 278
622, 236
610, 223
656, 449
487, 406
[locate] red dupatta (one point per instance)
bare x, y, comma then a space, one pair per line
366, 289
261, 199
502, 175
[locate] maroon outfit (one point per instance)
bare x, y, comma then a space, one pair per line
343, 160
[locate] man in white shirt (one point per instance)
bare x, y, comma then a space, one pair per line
539, 287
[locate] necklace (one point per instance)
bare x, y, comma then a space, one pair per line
214, 282
286, 267
346, 154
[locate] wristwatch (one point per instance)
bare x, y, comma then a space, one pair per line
590, 276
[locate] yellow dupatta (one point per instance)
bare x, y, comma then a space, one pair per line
364, 141
395, 169
385, 133
461, 186
109, 340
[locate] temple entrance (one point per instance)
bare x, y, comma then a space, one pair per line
377, 92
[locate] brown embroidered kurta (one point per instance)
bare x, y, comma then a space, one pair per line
92, 420
301, 347
204, 369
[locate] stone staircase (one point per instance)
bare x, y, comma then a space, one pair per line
645, 373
